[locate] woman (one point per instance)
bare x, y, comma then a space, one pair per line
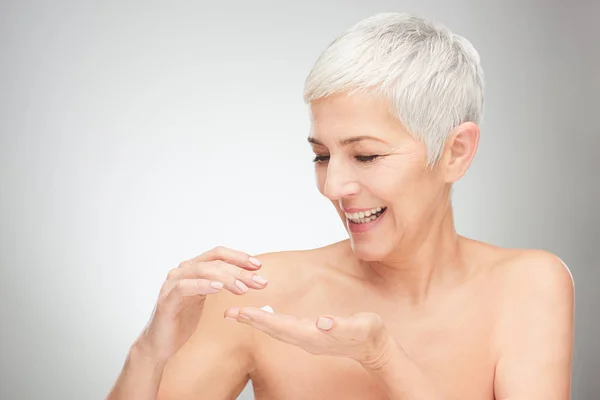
405, 308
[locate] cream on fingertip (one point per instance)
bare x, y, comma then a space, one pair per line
267, 309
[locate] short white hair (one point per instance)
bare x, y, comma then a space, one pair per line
431, 77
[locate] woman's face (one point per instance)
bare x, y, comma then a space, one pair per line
375, 174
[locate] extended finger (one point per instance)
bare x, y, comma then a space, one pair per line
360, 327
282, 327
235, 257
235, 279
175, 291
192, 287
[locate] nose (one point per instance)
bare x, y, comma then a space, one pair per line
340, 181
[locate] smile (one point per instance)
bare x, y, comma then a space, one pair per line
364, 217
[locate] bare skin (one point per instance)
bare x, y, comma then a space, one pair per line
457, 335
416, 310
428, 330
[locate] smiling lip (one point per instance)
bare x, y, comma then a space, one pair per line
362, 228
355, 210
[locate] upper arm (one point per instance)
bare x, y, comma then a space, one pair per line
215, 362
536, 331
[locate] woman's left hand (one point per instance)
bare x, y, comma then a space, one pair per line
361, 337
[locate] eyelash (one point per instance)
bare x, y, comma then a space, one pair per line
361, 159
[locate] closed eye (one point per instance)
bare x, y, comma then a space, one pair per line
366, 159
321, 159
362, 159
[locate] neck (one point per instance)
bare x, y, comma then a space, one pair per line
427, 265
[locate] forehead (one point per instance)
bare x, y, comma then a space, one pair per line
350, 115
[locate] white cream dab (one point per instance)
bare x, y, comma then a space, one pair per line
267, 309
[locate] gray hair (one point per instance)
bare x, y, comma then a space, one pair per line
431, 77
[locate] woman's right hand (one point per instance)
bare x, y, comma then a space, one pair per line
181, 300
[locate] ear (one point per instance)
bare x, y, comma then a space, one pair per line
460, 150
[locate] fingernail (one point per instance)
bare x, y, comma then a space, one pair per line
254, 262
325, 323
216, 285
230, 319
241, 285
259, 279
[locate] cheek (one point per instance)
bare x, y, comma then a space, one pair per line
415, 201
406, 188
387, 183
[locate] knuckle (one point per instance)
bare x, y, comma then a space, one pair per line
372, 328
174, 287
369, 318
184, 264
200, 267
376, 321
243, 274
219, 251
366, 322
168, 283
230, 280
214, 267
166, 288
172, 274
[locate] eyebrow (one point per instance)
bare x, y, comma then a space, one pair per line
347, 141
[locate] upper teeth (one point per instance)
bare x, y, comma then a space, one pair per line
363, 214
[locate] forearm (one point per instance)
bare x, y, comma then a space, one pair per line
402, 379
139, 379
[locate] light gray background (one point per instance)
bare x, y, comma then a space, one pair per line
135, 135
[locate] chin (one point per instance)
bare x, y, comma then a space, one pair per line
371, 250
376, 242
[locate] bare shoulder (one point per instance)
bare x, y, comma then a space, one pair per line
297, 279
534, 288
533, 273
292, 270
535, 325
280, 265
